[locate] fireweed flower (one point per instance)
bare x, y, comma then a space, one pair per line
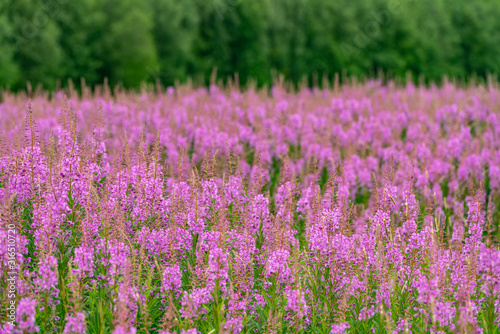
366, 313
234, 191
403, 325
320, 233
431, 296
233, 325
123, 330
46, 226
113, 256
210, 196
7, 328
161, 243
277, 264
189, 331
304, 203
84, 261
191, 302
244, 249
75, 325
183, 331
128, 297
149, 199
217, 268
340, 328
259, 212
46, 279
296, 302
25, 315
30, 173
172, 279
20, 250
489, 269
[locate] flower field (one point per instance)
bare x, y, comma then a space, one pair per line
365, 208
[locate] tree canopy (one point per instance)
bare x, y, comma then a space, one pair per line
132, 41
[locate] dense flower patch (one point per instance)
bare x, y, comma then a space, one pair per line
366, 208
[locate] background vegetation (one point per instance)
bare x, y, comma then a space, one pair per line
131, 41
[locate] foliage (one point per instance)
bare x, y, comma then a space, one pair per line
132, 41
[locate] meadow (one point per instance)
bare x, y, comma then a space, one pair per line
364, 208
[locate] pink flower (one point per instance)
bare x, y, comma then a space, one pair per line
75, 325
25, 316
340, 328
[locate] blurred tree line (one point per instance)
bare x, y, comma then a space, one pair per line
131, 41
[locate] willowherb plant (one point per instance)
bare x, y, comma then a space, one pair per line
367, 208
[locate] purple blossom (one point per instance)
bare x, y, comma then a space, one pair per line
123, 330
296, 302
172, 279
277, 264
47, 274
340, 328
25, 315
75, 325
84, 261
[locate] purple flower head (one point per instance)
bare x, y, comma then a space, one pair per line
25, 315
296, 302
75, 325
123, 330
218, 267
277, 264
47, 274
84, 261
172, 279
340, 328
191, 303
233, 325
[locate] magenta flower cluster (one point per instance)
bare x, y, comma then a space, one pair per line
363, 208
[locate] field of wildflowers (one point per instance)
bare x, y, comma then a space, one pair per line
365, 208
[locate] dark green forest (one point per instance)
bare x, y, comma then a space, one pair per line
132, 41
